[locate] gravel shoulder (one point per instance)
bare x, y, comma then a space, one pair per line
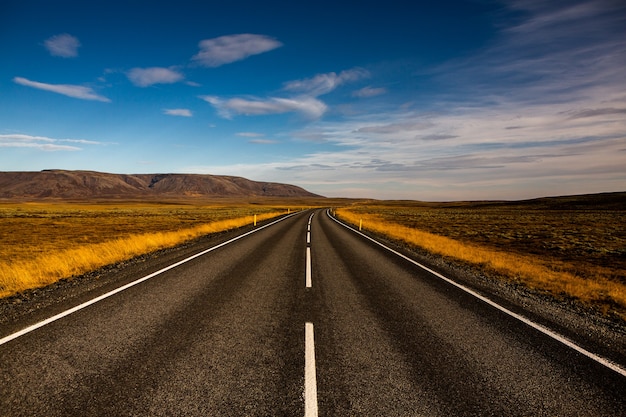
601, 334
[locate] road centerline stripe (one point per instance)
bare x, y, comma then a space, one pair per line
308, 280
310, 380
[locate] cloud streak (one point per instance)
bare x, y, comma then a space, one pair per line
325, 83
250, 134
63, 45
75, 91
231, 48
178, 112
366, 92
581, 114
303, 97
463, 153
42, 142
560, 51
145, 77
227, 108
263, 141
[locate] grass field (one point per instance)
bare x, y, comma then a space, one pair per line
44, 242
569, 248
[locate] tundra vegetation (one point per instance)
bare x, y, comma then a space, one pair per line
569, 247
43, 242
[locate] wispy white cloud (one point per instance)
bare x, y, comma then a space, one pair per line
250, 134
559, 51
263, 141
369, 92
257, 138
63, 45
399, 123
75, 91
42, 142
325, 83
227, 108
178, 112
145, 77
580, 114
40, 146
231, 48
302, 97
473, 154
463, 153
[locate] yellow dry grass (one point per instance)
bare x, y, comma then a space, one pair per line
43, 243
601, 292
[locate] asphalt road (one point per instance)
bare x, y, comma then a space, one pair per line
223, 334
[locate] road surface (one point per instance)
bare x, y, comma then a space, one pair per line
302, 317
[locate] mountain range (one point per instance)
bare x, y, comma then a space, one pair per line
65, 184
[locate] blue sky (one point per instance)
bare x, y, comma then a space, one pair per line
392, 100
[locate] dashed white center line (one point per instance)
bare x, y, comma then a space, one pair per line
308, 267
310, 381
308, 253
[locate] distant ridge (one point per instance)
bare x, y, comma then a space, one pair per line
65, 184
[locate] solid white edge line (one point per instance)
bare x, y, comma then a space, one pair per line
131, 284
310, 381
601, 360
308, 268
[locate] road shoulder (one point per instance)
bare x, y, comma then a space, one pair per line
598, 333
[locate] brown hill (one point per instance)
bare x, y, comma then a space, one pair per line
89, 184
